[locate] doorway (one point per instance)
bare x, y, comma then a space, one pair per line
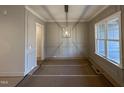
39, 43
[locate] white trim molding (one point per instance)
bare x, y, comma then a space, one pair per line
2, 74
82, 20
98, 12
65, 20
35, 13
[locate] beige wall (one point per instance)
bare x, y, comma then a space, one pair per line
57, 46
12, 40
17, 40
113, 71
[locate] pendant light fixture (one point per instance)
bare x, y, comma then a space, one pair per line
66, 30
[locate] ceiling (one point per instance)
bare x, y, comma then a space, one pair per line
51, 13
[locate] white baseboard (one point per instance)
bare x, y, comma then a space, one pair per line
11, 74
4, 74
65, 58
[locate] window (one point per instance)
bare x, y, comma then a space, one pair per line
101, 39
113, 48
108, 38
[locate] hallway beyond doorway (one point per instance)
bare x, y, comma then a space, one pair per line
65, 73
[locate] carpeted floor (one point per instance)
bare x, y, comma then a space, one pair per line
69, 73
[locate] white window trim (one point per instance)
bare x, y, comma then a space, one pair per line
118, 14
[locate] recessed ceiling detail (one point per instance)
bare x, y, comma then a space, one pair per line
76, 12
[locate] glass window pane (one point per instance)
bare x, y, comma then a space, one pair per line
113, 51
101, 47
101, 31
113, 29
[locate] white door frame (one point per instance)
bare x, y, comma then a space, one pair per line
42, 40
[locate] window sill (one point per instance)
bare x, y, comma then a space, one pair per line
110, 61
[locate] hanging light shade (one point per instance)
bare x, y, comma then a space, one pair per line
66, 32
66, 29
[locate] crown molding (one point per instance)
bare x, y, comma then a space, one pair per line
98, 12
65, 21
82, 20
86, 20
35, 13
